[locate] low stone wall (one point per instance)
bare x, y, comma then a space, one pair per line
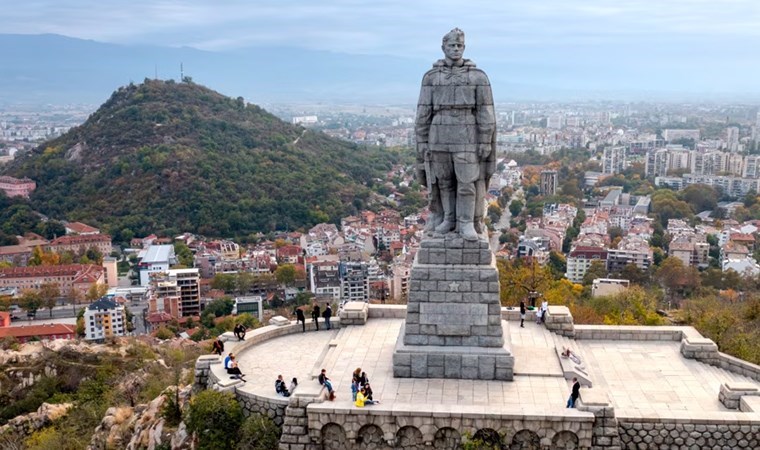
629, 333
274, 408
343, 427
387, 311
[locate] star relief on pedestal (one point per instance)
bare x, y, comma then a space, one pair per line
453, 286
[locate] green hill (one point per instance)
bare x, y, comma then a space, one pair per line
169, 157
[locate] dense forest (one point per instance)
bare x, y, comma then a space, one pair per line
167, 157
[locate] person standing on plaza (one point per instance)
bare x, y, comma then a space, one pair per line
576, 392
300, 317
315, 315
522, 313
544, 310
327, 315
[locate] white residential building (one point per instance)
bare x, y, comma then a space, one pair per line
104, 319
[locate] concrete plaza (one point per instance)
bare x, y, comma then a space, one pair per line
640, 377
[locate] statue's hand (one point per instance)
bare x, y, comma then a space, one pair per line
422, 151
484, 151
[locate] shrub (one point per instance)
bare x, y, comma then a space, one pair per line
259, 433
164, 333
9, 343
215, 418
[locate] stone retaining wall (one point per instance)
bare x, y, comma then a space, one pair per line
688, 434
405, 427
274, 408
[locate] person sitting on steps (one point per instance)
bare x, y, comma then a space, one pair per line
325, 381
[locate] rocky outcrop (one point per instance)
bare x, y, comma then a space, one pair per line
29, 423
141, 427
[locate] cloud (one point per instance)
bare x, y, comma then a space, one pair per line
634, 41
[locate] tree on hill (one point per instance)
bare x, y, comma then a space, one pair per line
49, 294
170, 157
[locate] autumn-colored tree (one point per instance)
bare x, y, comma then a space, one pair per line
36, 258
521, 277
96, 291
677, 279
50, 258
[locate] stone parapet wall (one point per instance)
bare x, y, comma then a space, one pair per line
387, 311
343, 427
274, 408
629, 333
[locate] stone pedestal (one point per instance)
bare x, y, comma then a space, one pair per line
453, 323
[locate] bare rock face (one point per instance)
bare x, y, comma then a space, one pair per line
29, 423
141, 427
75, 152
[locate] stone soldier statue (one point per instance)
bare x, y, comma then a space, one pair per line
456, 130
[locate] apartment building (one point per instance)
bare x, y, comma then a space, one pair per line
104, 319
78, 244
68, 277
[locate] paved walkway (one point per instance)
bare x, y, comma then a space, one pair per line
645, 376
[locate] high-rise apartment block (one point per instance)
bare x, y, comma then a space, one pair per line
613, 160
732, 139
548, 182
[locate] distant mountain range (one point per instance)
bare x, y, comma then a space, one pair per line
56, 69
49, 68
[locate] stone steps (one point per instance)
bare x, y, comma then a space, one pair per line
328, 355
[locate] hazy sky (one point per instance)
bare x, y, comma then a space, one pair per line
718, 41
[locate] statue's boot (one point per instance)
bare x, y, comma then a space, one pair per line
467, 231
434, 219
465, 215
449, 202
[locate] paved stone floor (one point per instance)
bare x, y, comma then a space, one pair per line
644, 376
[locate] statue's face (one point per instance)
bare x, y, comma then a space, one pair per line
453, 49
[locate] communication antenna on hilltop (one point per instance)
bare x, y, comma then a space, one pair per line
181, 72
156, 73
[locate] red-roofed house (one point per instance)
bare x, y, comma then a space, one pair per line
290, 254
80, 228
5, 319
50, 331
67, 277
81, 243
579, 260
